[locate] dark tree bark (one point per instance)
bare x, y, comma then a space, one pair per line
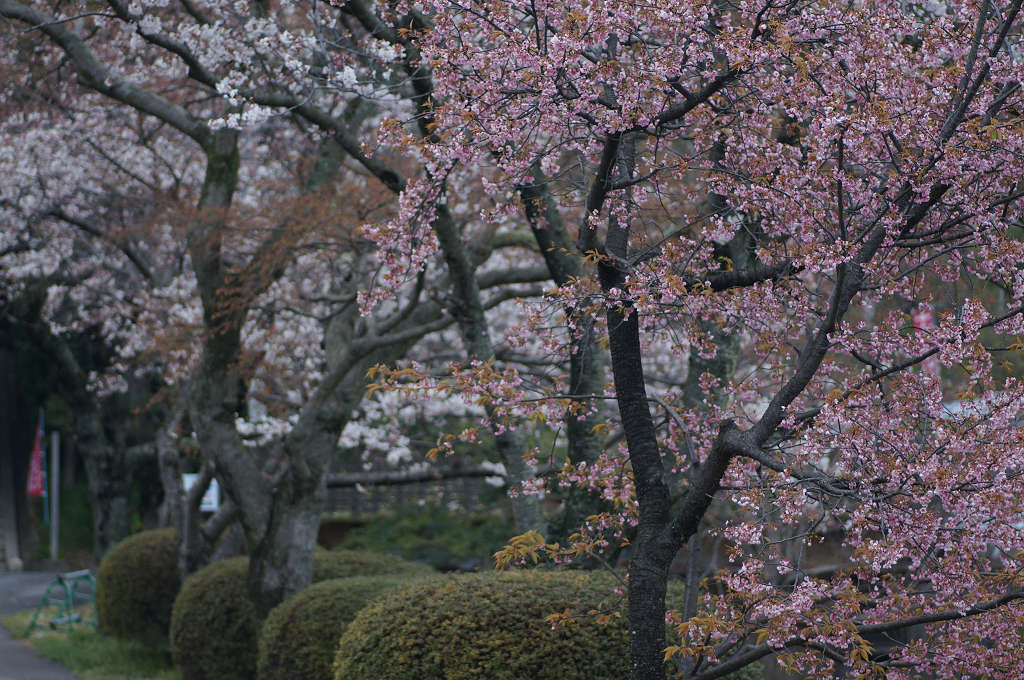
466, 305
110, 485
650, 555
661, 528
586, 362
468, 310
172, 508
9, 491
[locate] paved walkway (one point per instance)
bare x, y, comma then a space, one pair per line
18, 661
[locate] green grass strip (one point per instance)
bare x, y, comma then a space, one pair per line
93, 656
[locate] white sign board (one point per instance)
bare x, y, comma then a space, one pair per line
211, 499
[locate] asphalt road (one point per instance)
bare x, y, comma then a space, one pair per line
18, 661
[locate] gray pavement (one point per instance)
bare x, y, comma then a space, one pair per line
18, 660
22, 590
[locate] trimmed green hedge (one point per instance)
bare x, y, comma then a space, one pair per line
300, 636
136, 585
494, 625
489, 625
214, 627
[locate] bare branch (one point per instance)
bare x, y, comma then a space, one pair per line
194, 495
676, 112
221, 520
94, 230
751, 655
499, 277
939, 617
96, 76
599, 190
348, 480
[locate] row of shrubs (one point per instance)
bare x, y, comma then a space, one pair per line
366, 616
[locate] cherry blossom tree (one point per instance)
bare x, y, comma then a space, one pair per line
769, 188
191, 180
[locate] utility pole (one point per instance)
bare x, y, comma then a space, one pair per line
54, 492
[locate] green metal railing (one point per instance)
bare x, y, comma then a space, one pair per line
65, 592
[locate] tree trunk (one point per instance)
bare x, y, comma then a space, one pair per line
650, 554
282, 563
466, 305
109, 493
172, 509
586, 363
193, 548
526, 510
468, 311
109, 476
231, 543
9, 491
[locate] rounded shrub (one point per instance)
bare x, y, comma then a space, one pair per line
136, 585
214, 627
491, 625
300, 636
214, 624
495, 625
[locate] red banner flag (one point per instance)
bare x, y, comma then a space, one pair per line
36, 483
